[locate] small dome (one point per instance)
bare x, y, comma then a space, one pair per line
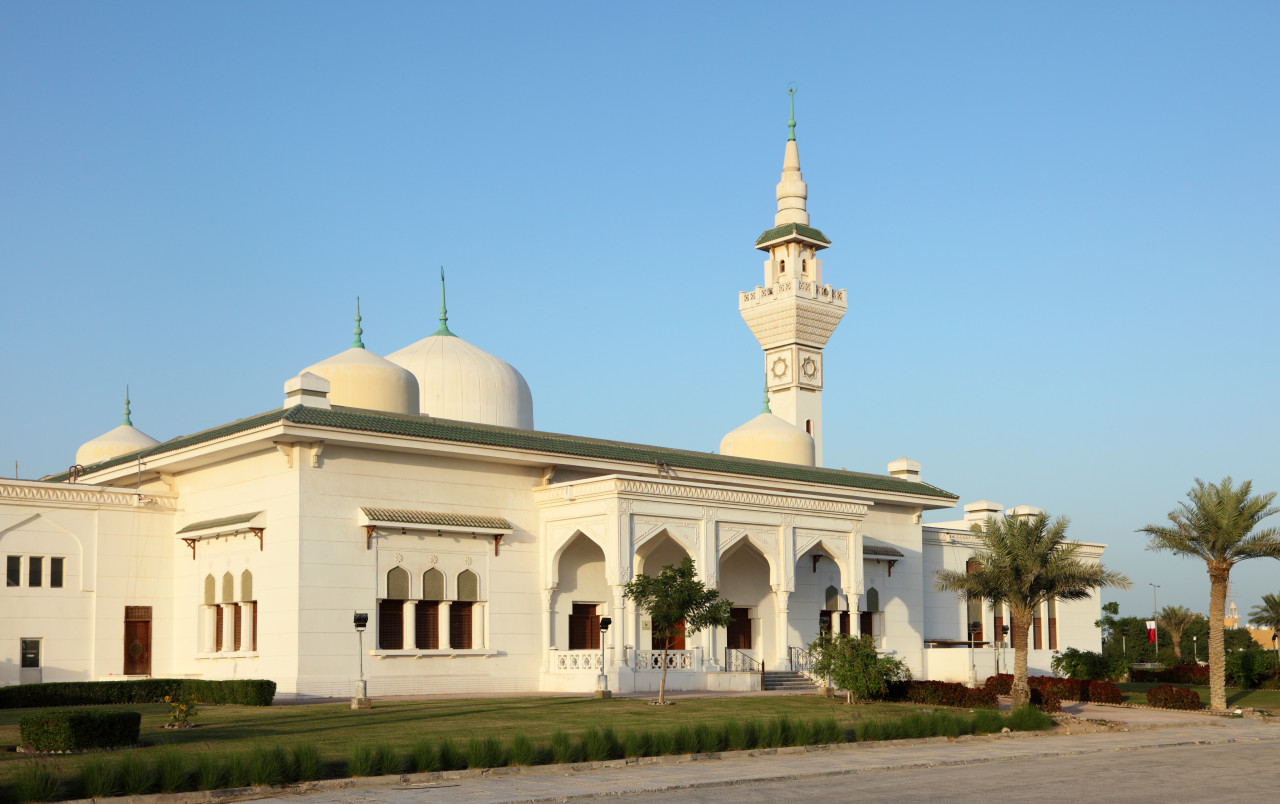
121, 441
770, 438
459, 381
360, 379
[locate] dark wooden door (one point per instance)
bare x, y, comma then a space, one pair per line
740, 629
584, 627
137, 641
460, 625
676, 642
865, 625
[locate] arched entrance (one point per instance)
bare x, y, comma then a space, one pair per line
818, 604
744, 580
657, 552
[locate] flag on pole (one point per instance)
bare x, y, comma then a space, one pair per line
1151, 631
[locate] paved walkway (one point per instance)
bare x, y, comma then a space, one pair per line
662, 777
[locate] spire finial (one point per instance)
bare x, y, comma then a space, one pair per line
127, 419
357, 343
791, 124
766, 396
444, 313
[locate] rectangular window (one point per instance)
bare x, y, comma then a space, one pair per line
427, 625
235, 626
460, 625
1053, 625
391, 624
584, 627
253, 609
35, 571
845, 623
217, 628
1036, 633
13, 571
55, 573
30, 653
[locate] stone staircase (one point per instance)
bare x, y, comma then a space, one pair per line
788, 681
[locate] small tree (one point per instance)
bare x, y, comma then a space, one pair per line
677, 603
1175, 620
1267, 613
855, 667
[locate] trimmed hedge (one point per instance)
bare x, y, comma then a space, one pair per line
78, 730
1104, 692
1167, 696
248, 692
1046, 699
1182, 674
1063, 689
948, 693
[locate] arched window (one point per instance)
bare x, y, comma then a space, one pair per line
782, 266
246, 586
433, 585
873, 599
833, 599
210, 590
461, 612
398, 584
427, 613
250, 609
808, 426
391, 610
228, 588
468, 586
804, 266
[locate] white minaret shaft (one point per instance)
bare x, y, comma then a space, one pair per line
793, 313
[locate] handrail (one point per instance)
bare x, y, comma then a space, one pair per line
735, 661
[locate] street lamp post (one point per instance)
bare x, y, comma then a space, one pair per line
1275, 643
1124, 643
1195, 653
602, 681
1155, 616
973, 663
361, 701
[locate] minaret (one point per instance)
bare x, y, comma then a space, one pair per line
793, 313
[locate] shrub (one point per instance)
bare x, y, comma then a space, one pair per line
486, 752
307, 765
451, 757
210, 774
1182, 674
248, 692
136, 775
98, 778
854, 666
1104, 692
1245, 668
524, 752
1001, 684
268, 765
948, 693
37, 780
171, 770
1028, 718
1167, 696
1046, 699
786, 731
78, 729
1086, 665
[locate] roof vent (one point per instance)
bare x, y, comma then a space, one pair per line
981, 510
905, 469
307, 389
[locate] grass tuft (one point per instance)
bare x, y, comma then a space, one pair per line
599, 745
37, 780
451, 756
486, 752
98, 778
564, 749
664, 743
987, 721
1028, 718
740, 735
524, 752
268, 765
363, 762
210, 773
828, 732
136, 775
423, 757
236, 770
307, 764
686, 739
638, 744
171, 770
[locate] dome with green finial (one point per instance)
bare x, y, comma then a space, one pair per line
457, 380
120, 441
770, 438
360, 379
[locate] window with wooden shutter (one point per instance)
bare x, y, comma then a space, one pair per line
391, 624
460, 625
427, 625
253, 609
845, 623
1035, 632
217, 628
1053, 625
235, 627
676, 642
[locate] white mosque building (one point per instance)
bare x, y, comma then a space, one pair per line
416, 489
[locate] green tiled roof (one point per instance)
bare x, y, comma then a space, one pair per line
225, 522
873, 548
532, 440
437, 518
790, 229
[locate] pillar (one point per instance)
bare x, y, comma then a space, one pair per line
228, 627
781, 598
410, 625
445, 640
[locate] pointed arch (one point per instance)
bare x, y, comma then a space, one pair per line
468, 586
210, 590
738, 540
582, 530
397, 584
873, 600
433, 585
246, 586
228, 588
831, 599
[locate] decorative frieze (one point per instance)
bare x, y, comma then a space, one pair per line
682, 491
69, 493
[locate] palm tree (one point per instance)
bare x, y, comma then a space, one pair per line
1267, 614
1025, 562
1216, 524
1175, 620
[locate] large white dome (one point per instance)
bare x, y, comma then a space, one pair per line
459, 381
120, 441
770, 438
360, 379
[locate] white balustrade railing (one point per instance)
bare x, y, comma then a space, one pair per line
569, 660
676, 660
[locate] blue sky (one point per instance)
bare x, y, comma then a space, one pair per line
1057, 223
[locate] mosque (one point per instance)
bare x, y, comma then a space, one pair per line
415, 489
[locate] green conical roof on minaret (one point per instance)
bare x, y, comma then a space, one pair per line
127, 418
766, 396
444, 313
358, 343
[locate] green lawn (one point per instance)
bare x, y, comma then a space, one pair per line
335, 728
1136, 693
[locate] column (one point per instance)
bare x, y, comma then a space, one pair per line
228, 626
851, 603
444, 625
479, 619
548, 627
619, 627
249, 637
208, 616
410, 625
781, 597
